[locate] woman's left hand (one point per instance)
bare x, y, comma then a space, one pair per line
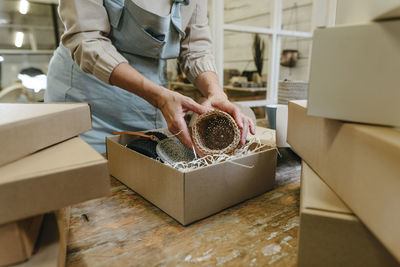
244, 123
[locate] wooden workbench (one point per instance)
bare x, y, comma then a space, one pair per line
126, 230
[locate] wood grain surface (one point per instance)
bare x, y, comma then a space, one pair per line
126, 230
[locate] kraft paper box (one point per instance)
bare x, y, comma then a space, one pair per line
36, 241
191, 196
330, 234
51, 248
18, 239
27, 128
354, 73
358, 162
364, 11
59, 176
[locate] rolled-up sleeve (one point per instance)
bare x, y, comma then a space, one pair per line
87, 27
196, 54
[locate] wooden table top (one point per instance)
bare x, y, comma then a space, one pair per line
126, 230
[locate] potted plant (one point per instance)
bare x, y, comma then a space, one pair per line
258, 56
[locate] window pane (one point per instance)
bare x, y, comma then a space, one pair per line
293, 75
248, 12
36, 25
297, 15
241, 79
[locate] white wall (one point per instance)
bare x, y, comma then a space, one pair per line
362, 11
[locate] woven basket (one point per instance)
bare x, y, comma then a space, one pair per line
215, 132
291, 90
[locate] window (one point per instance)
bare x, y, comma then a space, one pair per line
282, 24
30, 32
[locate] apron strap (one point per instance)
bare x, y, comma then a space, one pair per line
176, 15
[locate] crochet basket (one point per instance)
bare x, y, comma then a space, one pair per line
215, 132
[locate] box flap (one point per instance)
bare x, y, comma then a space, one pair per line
315, 193
67, 173
27, 128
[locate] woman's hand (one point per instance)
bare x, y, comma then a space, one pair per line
221, 102
174, 106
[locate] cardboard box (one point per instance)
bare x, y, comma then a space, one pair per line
27, 128
191, 196
358, 162
364, 11
18, 239
51, 247
354, 73
330, 233
67, 173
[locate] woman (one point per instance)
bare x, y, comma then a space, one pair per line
113, 56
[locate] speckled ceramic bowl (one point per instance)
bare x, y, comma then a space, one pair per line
215, 132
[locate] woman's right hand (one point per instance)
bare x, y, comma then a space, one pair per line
174, 106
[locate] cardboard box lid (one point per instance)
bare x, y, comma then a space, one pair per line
359, 162
64, 174
18, 239
27, 128
316, 194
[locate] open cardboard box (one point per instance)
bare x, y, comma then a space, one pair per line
359, 162
193, 195
330, 233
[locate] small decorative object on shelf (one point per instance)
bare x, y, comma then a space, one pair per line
215, 132
289, 57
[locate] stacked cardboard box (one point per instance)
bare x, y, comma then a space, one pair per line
354, 73
330, 233
353, 78
44, 167
359, 162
